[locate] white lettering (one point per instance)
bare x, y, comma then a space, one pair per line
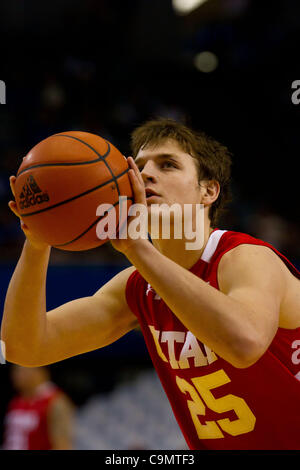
211, 357
170, 337
138, 225
2, 352
137, 228
164, 211
296, 94
191, 349
2, 92
296, 354
123, 210
198, 234
116, 460
108, 221
155, 334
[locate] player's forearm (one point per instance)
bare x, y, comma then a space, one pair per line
62, 445
214, 318
24, 317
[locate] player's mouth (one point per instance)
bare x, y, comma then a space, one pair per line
151, 194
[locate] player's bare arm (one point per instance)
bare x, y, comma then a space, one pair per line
60, 423
34, 337
239, 321
239, 324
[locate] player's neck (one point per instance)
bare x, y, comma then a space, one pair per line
176, 249
34, 389
29, 392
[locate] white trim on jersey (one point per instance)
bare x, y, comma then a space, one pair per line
211, 245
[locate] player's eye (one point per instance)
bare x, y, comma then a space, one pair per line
169, 164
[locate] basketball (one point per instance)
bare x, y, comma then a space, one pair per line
62, 181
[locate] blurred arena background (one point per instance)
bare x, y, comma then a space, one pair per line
105, 66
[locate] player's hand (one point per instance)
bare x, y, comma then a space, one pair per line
13, 207
139, 197
137, 183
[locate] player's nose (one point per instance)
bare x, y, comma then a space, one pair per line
149, 172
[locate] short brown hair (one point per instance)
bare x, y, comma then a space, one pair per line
213, 160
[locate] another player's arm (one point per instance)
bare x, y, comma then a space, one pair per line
60, 420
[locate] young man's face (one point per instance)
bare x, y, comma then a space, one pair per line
170, 172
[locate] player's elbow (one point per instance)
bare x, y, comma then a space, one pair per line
19, 358
248, 352
242, 362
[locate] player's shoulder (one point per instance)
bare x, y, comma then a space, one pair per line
231, 238
60, 402
244, 249
238, 245
251, 263
248, 254
124, 274
118, 283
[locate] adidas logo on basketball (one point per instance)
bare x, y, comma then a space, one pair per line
32, 194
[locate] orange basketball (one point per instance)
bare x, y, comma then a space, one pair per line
62, 181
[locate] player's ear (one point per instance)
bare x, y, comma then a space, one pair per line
211, 191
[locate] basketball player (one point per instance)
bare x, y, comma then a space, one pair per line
221, 323
40, 415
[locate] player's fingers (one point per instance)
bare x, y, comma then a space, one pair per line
12, 181
137, 172
134, 183
13, 207
138, 189
139, 179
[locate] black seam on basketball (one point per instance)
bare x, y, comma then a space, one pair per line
91, 226
77, 196
69, 163
107, 153
100, 156
82, 234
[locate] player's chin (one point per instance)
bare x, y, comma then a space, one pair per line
153, 206
154, 200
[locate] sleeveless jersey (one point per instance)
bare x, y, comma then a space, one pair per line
25, 424
217, 405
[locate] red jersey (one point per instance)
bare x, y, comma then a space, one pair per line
25, 425
217, 405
